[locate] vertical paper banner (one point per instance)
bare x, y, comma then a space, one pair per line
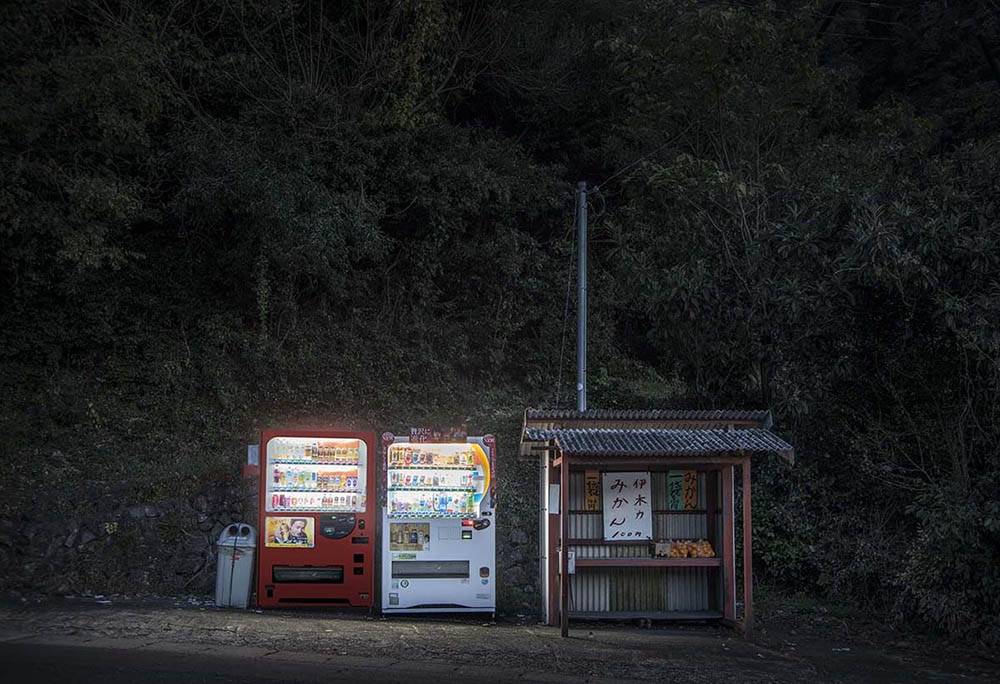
627, 510
690, 490
592, 491
675, 490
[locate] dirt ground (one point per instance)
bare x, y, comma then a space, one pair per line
795, 642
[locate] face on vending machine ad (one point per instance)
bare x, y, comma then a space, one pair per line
291, 532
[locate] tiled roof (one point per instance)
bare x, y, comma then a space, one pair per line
650, 415
660, 442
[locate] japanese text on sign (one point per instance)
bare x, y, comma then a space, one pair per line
682, 490
628, 512
690, 490
592, 491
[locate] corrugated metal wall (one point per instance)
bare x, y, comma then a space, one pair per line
638, 590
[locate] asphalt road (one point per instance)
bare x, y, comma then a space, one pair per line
64, 664
178, 641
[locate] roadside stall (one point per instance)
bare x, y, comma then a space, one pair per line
644, 504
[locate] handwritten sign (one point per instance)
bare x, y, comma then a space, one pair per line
682, 490
592, 491
675, 490
690, 490
628, 515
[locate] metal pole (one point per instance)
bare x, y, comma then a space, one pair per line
581, 313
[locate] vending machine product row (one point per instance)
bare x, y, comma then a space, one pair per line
317, 532
438, 526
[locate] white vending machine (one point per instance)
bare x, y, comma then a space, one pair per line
439, 526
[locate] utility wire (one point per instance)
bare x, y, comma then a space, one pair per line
569, 283
821, 15
642, 158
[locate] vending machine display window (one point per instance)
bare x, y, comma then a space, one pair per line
436, 480
310, 474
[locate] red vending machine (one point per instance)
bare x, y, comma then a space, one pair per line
317, 519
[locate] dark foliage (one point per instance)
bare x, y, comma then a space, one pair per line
222, 214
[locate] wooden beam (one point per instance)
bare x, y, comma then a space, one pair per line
553, 558
648, 562
563, 545
711, 528
551, 550
747, 555
553, 570
654, 463
728, 546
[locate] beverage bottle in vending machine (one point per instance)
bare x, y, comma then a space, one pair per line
277, 476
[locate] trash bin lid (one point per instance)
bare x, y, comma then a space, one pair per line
238, 534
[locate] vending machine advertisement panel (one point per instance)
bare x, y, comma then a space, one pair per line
439, 526
317, 534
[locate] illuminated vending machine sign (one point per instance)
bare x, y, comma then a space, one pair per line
439, 534
316, 544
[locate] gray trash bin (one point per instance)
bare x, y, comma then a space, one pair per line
234, 569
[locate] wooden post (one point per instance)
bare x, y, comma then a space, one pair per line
564, 544
711, 531
747, 555
551, 536
553, 568
728, 546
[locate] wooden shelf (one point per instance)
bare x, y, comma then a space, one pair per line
649, 615
649, 562
659, 511
589, 541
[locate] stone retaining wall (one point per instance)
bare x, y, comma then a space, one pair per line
160, 547
168, 547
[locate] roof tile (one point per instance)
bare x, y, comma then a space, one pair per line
646, 414
659, 442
